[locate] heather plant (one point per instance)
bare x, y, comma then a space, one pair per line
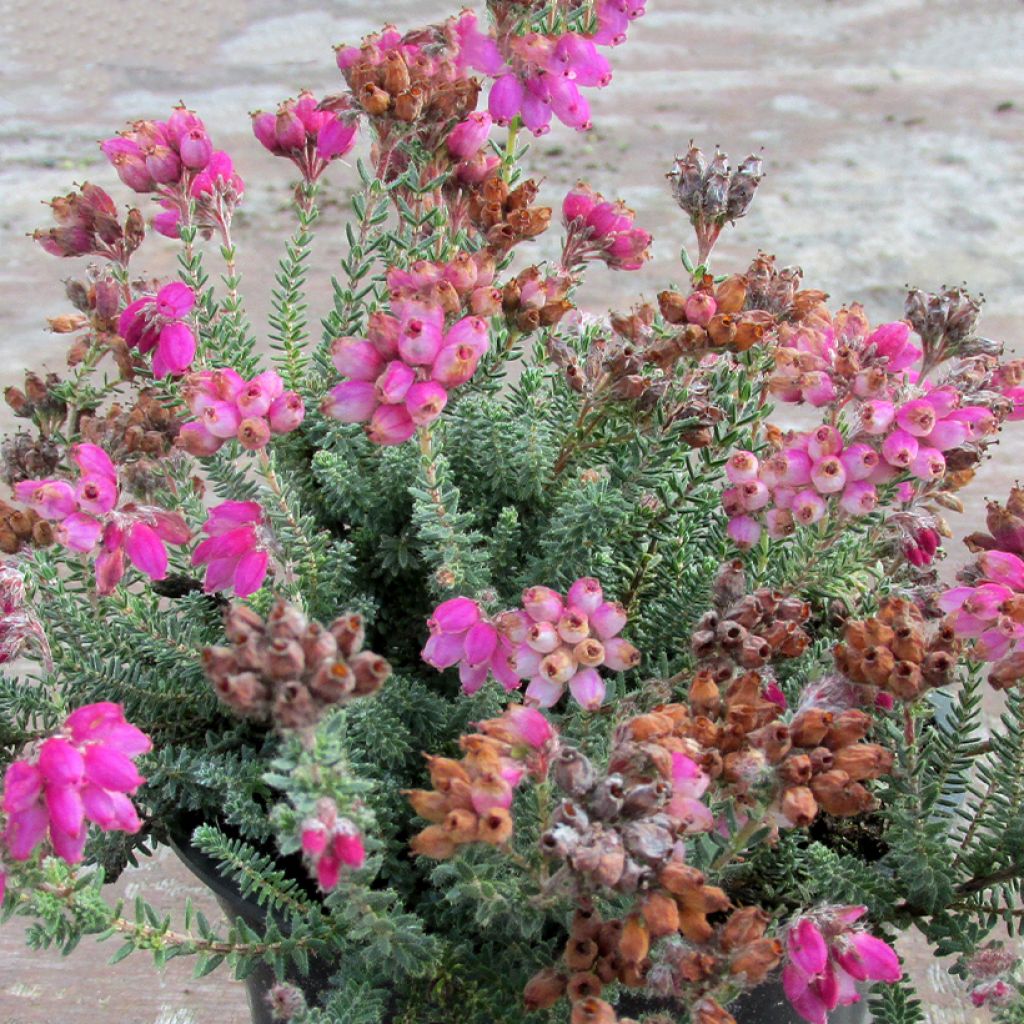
514, 662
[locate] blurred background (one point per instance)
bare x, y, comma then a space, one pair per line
893, 137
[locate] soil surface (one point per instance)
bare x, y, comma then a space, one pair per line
891, 130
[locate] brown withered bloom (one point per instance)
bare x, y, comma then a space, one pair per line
897, 651
21, 528
288, 670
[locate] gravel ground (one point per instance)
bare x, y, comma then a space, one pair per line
891, 130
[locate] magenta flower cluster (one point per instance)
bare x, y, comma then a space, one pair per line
309, 133
539, 77
331, 844
826, 958
176, 159
235, 550
158, 324
552, 641
599, 229
400, 374
86, 773
228, 406
793, 487
981, 613
88, 514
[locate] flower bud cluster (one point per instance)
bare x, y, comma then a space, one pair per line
289, 670
88, 225
471, 798
309, 133
757, 628
598, 229
399, 375
331, 844
235, 551
826, 957
158, 323
85, 773
810, 469
401, 80
506, 216
176, 160
894, 652
987, 610
227, 406
712, 194
89, 514
553, 641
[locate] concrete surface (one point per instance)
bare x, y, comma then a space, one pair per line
891, 130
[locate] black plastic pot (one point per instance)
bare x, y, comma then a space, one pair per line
767, 1004
235, 907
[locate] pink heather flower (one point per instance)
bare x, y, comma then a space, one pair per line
900, 449
876, 417
529, 726
826, 958
85, 773
859, 498
700, 308
828, 474
155, 322
88, 515
741, 467
330, 845
689, 783
226, 406
917, 417
468, 136
234, 553
744, 531
306, 133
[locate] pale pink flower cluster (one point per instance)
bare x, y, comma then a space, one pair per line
826, 957
689, 784
309, 133
88, 514
553, 642
176, 159
228, 406
86, 773
235, 550
599, 229
331, 844
158, 324
795, 485
400, 374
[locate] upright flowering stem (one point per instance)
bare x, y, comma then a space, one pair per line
288, 318
508, 160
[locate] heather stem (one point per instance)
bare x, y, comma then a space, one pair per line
738, 843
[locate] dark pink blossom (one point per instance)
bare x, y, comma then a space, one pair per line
93, 515
307, 133
157, 323
234, 552
85, 773
331, 844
